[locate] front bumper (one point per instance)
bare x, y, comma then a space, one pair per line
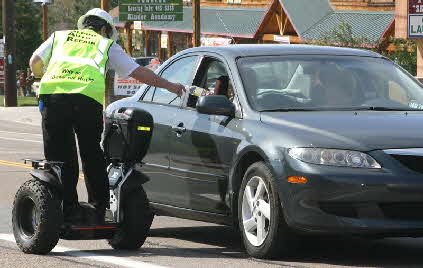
384, 202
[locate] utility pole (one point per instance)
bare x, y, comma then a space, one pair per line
105, 5
10, 94
196, 23
45, 21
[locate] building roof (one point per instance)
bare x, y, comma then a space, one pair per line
311, 19
223, 21
305, 13
367, 24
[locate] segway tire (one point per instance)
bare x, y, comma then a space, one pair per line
137, 219
36, 218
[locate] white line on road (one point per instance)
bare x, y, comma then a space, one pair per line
20, 133
125, 262
19, 152
13, 139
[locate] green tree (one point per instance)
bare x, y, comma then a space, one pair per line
28, 31
404, 55
1, 18
64, 14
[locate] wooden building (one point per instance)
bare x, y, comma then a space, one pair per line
264, 21
368, 5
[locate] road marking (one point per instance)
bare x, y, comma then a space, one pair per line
15, 164
22, 133
125, 262
14, 139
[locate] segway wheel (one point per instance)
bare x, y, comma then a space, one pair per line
137, 219
36, 218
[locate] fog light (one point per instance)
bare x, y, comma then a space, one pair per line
296, 179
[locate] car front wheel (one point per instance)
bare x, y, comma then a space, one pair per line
264, 230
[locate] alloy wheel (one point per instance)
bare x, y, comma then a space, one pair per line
256, 211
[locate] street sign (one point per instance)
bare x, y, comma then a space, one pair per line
415, 18
215, 41
150, 10
164, 38
137, 25
44, 1
126, 87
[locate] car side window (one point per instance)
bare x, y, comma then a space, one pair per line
214, 77
179, 71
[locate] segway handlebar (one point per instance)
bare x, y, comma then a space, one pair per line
43, 163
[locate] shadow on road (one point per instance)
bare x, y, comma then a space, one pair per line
315, 251
337, 251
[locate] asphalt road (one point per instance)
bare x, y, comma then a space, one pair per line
172, 242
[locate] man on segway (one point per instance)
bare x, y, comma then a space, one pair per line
73, 65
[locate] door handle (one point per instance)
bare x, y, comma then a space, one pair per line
179, 129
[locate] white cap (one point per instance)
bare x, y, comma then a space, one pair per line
98, 12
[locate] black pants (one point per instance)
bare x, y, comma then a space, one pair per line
63, 116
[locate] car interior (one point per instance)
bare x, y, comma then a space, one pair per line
279, 85
213, 77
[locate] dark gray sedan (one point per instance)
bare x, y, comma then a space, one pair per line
287, 139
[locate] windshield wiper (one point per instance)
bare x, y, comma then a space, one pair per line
290, 110
383, 108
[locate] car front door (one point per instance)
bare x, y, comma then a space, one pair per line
203, 146
164, 106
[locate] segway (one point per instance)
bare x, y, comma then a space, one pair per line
37, 216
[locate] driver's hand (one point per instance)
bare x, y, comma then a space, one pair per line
176, 88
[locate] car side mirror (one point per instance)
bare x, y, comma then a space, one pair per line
215, 104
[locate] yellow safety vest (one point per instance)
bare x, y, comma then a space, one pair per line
77, 64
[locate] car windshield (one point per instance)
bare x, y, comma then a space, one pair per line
309, 82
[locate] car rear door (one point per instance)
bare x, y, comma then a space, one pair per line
202, 146
164, 106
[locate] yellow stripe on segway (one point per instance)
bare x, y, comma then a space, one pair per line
140, 128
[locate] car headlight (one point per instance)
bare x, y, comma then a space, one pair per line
332, 157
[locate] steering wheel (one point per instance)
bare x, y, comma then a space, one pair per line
273, 99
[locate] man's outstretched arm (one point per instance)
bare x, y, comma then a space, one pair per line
148, 77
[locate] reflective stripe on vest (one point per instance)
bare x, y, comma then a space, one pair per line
77, 64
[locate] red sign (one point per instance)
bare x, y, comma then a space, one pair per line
1, 70
415, 6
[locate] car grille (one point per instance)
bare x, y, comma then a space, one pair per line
403, 211
412, 158
406, 211
413, 162
339, 209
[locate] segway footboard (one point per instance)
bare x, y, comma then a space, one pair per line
89, 232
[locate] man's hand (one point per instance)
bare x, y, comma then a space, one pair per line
176, 88
37, 66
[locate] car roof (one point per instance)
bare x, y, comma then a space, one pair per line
235, 51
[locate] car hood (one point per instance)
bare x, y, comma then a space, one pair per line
361, 130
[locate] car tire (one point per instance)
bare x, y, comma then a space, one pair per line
36, 218
259, 208
137, 219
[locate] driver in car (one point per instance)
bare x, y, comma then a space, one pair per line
329, 89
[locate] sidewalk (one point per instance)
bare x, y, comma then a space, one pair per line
26, 114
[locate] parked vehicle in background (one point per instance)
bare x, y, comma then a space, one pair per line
143, 61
